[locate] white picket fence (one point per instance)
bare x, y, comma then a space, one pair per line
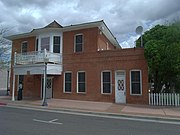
164, 99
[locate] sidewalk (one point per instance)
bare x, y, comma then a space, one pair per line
97, 107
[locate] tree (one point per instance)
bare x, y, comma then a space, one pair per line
162, 51
5, 48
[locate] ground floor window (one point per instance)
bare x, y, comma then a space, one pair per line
135, 78
106, 82
67, 82
81, 82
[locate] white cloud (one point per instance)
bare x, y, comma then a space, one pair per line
121, 16
130, 42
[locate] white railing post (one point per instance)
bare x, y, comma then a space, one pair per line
165, 99
149, 98
167, 94
172, 99
162, 99
45, 53
159, 99
175, 99
154, 102
178, 99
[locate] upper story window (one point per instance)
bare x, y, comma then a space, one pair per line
24, 47
56, 44
135, 76
37, 43
78, 43
45, 42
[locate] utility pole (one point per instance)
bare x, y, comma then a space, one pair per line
45, 79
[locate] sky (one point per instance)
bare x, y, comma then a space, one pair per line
121, 16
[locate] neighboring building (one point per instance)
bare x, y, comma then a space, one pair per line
84, 62
4, 82
3, 79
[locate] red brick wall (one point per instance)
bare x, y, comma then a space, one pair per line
93, 62
57, 86
32, 86
29, 83
90, 40
104, 43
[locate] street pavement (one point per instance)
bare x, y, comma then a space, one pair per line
162, 112
16, 120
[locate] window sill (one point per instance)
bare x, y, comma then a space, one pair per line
135, 94
67, 92
106, 93
83, 93
78, 52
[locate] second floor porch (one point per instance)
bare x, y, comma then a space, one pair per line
37, 57
35, 62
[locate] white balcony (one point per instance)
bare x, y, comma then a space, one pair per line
34, 63
37, 57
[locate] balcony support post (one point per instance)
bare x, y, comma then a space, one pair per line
13, 88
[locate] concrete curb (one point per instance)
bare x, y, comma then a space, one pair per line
80, 111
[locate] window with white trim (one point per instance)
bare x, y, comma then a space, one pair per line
81, 82
45, 43
136, 88
78, 43
37, 43
56, 44
106, 82
67, 82
24, 46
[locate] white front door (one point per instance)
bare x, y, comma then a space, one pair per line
48, 87
120, 87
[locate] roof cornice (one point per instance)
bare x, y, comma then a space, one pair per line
100, 24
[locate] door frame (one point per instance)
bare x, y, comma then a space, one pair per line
124, 84
42, 77
21, 86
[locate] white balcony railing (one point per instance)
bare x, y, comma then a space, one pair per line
38, 57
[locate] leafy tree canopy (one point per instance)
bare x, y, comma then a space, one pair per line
162, 51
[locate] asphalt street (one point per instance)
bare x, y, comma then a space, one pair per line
26, 121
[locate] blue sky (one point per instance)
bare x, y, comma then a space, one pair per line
121, 16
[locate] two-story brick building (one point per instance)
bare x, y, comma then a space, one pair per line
78, 62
